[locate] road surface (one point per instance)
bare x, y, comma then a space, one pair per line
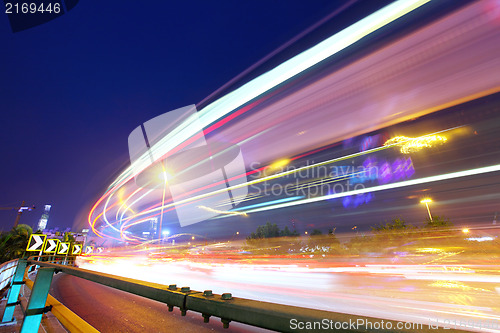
110, 310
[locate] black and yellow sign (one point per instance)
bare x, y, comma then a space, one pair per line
36, 242
89, 249
63, 248
51, 245
77, 249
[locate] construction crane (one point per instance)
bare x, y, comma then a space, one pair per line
20, 211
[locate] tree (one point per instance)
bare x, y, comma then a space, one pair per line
286, 232
266, 231
438, 222
395, 233
316, 232
13, 244
397, 224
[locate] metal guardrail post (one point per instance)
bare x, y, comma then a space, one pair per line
15, 288
36, 305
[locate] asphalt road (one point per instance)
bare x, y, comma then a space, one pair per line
442, 288
110, 310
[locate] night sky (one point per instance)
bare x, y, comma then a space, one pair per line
74, 88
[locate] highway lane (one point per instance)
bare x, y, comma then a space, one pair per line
442, 289
110, 310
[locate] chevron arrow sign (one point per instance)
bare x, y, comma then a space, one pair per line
51, 245
63, 248
36, 242
77, 249
89, 249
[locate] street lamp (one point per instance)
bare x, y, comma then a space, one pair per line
427, 201
165, 234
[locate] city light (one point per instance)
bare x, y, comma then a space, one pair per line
411, 145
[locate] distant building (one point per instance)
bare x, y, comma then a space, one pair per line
152, 225
42, 223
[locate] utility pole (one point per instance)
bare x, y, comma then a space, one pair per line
20, 211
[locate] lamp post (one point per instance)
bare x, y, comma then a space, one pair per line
165, 234
427, 202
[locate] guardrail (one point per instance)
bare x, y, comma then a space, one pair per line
7, 270
260, 314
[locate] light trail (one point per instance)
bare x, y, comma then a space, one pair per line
136, 201
452, 175
269, 80
408, 292
262, 204
223, 212
125, 224
267, 178
124, 205
276, 176
323, 107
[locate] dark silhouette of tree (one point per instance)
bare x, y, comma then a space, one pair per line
285, 232
396, 224
393, 234
13, 244
316, 232
270, 231
438, 222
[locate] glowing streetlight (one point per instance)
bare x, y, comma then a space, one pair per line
165, 234
192, 237
427, 201
465, 230
305, 232
237, 232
